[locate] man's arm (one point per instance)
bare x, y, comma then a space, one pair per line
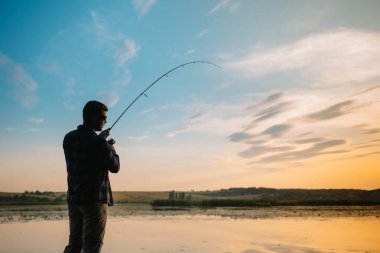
114, 161
111, 158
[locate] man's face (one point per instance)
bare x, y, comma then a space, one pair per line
100, 120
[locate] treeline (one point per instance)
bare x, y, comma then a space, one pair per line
31, 197
173, 195
259, 203
210, 203
288, 195
250, 197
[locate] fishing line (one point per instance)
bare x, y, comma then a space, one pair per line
164, 75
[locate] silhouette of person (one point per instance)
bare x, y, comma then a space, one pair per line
89, 157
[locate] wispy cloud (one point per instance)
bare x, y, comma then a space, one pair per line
190, 51
224, 5
202, 34
300, 125
138, 138
318, 149
174, 133
143, 6
126, 52
100, 28
371, 131
277, 130
69, 104
257, 150
373, 88
240, 137
123, 49
70, 87
272, 111
110, 98
269, 99
322, 57
36, 120
333, 111
24, 86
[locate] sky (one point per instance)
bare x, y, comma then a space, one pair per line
294, 104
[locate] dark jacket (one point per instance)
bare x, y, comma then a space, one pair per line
88, 160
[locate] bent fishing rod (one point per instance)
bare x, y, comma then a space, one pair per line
111, 141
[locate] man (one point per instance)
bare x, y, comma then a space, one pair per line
89, 157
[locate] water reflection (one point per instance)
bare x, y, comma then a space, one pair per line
204, 234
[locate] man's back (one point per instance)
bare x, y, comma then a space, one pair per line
88, 159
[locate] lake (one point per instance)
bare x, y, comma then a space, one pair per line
218, 230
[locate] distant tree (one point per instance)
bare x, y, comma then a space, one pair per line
172, 195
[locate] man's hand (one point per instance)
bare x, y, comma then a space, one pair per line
104, 134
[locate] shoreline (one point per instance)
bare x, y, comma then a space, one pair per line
23, 213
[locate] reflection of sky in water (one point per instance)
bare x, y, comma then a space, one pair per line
204, 234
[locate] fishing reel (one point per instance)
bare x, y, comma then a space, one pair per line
104, 134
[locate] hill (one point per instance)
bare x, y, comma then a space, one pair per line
225, 197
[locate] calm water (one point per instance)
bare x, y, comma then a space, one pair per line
202, 233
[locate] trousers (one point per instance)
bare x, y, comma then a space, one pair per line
87, 227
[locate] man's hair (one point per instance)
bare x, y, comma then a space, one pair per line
93, 108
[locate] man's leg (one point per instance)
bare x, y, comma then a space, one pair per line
76, 228
94, 225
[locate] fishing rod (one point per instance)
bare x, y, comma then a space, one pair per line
111, 141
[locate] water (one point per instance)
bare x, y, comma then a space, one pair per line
270, 230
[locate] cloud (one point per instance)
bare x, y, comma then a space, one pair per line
110, 98
371, 131
305, 134
201, 34
198, 116
173, 134
316, 150
122, 49
138, 138
68, 104
24, 87
367, 90
100, 27
143, 6
255, 151
368, 154
322, 57
36, 120
126, 52
224, 5
333, 111
240, 137
277, 130
70, 87
272, 111
310, 140
190, 51
271, 98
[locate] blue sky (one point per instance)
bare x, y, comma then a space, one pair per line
294, 104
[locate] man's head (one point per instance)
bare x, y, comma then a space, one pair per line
95, 115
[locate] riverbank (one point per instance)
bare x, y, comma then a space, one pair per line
15, 213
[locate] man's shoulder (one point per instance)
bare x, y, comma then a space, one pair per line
83, 135
71, 134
